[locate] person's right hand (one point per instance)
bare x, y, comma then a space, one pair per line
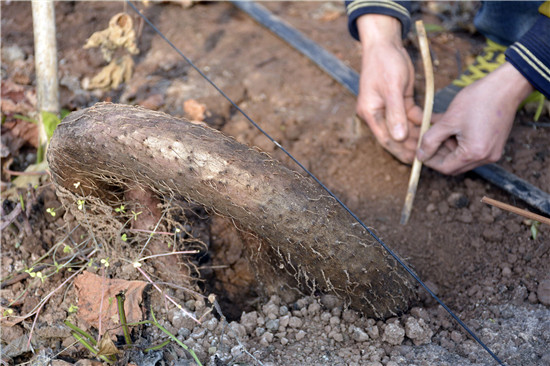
385, 98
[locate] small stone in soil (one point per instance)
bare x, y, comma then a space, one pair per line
267, 338
458, 200
358, 334
506, 271
284, 320
418, 331
331, 301
270, 308
543, 292
394, 334
295, 322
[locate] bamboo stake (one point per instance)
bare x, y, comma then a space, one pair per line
516, 210
45, 55
428, 106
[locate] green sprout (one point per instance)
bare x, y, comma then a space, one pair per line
120, 209
22, 202
7, 312
124, 237
51, 211
105, 262
81, 204
34, 274
50, 121
535, 229
72, 309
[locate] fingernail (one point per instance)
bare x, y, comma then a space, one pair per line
399, 132
420, 154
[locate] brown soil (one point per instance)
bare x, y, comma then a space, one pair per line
481, 261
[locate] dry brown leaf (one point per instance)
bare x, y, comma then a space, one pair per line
23, 181
119, 34
89, 288
111, 76
17, 98
106, 346
18, 133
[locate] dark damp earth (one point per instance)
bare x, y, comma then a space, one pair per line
483, 262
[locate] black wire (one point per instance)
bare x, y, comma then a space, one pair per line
399, 260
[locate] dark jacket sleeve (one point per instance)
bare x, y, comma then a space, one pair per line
531, 54
396, 9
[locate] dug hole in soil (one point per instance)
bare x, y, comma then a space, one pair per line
483, 262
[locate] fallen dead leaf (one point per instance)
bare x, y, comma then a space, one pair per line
17, 98
111, 76
23, 181
18, 129
119, 34
89, 289
106, 346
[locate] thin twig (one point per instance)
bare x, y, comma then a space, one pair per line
14, 172
516, 210
8, 219
170, 253
154, 231
150, 232
166, 296
101, 302
428, 106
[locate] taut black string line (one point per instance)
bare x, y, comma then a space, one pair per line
391, 252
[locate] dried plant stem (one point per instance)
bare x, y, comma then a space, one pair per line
16, 173
170, 253
428, 106
166, 296
150, 232
516, 210
101, 303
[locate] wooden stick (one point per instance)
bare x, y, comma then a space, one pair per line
45, 56
428, 106
516, 210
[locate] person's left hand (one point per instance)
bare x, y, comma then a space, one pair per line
475, 128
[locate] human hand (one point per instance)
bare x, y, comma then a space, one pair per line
474, 130
385, 98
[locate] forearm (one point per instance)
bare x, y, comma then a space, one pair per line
376, 28
399, 10
512, 82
